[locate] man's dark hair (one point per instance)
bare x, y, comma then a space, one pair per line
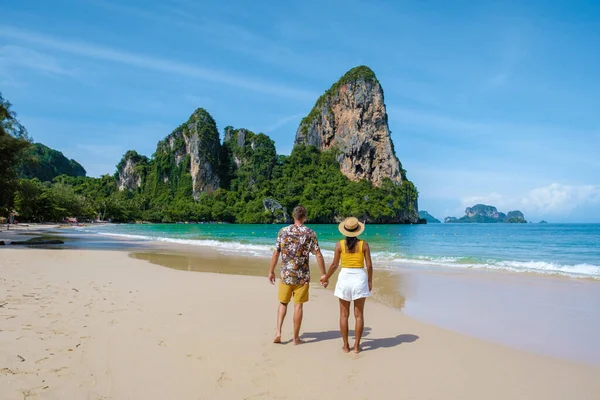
299, 213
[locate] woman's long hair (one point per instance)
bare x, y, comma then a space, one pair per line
351, 243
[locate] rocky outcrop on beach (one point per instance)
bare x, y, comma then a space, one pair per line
277, 211
132, 170
351, 119
191, 149
481, 213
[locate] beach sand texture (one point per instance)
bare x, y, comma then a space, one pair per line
83, 324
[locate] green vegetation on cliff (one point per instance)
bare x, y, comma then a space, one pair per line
192, 176
45, 164
484, 214
359, 73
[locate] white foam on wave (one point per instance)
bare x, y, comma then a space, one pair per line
228, 247
387, 259
540, 267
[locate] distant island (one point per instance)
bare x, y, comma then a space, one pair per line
543, 222
484, 214
428, 217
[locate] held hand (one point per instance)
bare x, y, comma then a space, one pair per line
272, 278
324, 281
370, 286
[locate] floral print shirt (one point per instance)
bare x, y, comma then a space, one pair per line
295, 243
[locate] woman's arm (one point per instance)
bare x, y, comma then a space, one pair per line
335, 263
369, 263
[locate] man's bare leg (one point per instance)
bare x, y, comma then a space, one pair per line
344, 314
298, 309
359, 306
281, 311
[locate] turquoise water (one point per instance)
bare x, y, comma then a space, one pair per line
564, 249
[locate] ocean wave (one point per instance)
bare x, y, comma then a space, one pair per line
539, 267
387, 260
234, 247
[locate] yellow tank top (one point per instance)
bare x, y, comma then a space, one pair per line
352, 260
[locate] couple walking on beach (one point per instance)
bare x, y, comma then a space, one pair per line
294, 245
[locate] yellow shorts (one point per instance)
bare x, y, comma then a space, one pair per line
300, 293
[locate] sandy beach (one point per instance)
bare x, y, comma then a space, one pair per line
85, 324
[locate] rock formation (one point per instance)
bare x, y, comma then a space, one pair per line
484, 211
428, 217
481, 213
351, 118
248, 156
192, 149
131, 171
515, 217
279, 213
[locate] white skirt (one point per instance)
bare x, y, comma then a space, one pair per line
352, 284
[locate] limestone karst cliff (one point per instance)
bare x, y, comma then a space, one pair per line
481, 213
132, 170
190, 152
351, 118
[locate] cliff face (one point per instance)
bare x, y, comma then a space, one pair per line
484, 211
131, 171
192, 149
247, 156
351, 117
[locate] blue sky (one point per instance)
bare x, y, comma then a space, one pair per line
494, 102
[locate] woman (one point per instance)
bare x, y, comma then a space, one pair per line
354, 283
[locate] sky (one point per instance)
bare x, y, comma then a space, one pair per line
488, 102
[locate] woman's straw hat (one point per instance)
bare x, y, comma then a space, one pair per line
351, 227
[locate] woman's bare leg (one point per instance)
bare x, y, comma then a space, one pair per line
359, 307
344, 314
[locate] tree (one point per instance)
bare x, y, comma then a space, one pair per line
13, 140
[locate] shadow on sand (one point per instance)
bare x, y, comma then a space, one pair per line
368, 343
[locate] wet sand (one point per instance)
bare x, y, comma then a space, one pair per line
553, 316
102, 325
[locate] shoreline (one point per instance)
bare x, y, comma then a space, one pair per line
101, 324
577, 268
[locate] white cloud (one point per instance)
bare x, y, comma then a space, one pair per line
557, 199
146, 62
553, 200
21, 57
283, 121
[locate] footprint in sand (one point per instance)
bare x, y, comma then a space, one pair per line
223, 379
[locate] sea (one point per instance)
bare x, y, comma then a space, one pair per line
570, 250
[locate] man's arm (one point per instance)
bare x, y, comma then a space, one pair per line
274, 259
320, 262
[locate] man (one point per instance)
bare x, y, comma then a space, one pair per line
294, 244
